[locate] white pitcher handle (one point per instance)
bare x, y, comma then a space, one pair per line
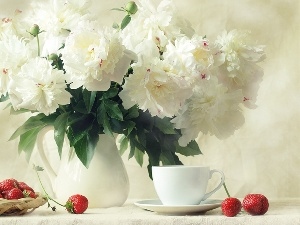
41, 151
216, 188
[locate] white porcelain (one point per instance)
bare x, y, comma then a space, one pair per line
183, 185
155, 205
105, 183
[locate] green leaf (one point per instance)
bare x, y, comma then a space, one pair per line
101, 113
16, 112
89, 99
60, 127
106, 126
167, 158
75, 117
103, 119
149, 168
81, 107
80, 128
125, 21
123, 144
132, 149
76, 94
86, 146
145, 120
31, 124
139, 156
142, 138
49, 120
3, 98
85, 149
110, 93
133, 112
164, 125
190, 150
116, 126
119, 9
135, 142
153, 148
27, 141
113, 110
130, 125
38, 168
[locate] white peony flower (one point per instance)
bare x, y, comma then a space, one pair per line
93, 58
39, 87
237, 60
160, 25
236, 44
192, 56
155, 87
14, 52
211, 110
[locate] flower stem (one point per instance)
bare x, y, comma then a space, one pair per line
224, 185
38, 43
48, 197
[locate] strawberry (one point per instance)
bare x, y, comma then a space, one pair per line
231, 206
8, 184
77, 204
29, 193
23, 186
255, 204
14, 193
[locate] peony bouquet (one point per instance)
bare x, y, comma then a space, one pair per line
151, 78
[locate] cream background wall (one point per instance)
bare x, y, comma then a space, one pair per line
263, 156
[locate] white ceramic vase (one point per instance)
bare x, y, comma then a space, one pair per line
105, 183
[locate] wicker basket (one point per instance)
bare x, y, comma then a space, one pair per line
20, 206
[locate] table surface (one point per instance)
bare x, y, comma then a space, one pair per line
281, 211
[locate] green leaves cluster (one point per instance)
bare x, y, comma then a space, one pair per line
158, 139
88, 115
94, 113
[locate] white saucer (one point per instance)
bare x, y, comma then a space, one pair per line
155, 205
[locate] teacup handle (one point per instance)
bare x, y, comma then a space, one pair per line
219, 185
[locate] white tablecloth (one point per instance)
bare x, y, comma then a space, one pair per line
281, 212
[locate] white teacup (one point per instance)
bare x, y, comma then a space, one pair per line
183, 185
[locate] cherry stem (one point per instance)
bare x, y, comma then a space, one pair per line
224, 185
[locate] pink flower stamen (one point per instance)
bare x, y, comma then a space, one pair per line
4, 71
6, 20
246, 99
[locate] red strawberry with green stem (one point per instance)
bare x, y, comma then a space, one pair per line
29, 193
231, 206
76, 203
